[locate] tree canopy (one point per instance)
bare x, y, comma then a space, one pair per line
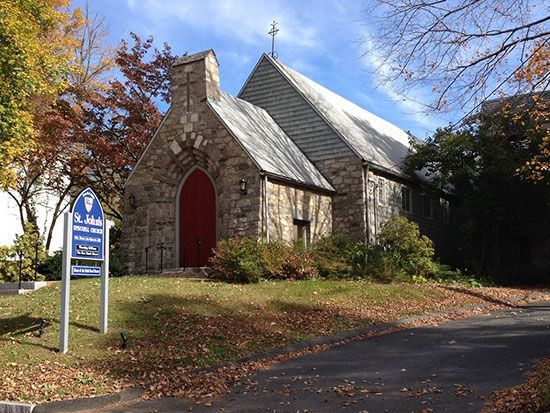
36, 43
499, 214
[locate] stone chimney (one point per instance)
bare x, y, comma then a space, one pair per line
195, 78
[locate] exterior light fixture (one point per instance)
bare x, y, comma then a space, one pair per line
243, 186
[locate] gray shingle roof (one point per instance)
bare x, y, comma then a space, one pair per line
267, 144
374, 139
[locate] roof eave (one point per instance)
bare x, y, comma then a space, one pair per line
307, 185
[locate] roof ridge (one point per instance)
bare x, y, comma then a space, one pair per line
276, 63
373, 138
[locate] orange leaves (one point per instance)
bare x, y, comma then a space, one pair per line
530, 397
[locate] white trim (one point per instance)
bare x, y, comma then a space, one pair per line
177, 210
266, 208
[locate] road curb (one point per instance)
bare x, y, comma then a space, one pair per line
9, 407
90, 403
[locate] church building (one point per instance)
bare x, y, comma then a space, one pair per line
287, 159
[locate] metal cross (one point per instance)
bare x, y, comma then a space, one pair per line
273, 32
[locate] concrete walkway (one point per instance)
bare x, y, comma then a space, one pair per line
446, 368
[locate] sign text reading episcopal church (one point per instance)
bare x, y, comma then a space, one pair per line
85, 237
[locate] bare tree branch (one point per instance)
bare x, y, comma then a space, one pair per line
465, 51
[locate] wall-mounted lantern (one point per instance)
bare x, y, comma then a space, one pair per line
243, 186
132, 201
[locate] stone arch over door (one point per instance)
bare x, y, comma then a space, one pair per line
195, 219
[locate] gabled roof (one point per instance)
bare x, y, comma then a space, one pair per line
266, 143
374, 139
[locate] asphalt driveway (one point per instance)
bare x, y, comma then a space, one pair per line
446, 368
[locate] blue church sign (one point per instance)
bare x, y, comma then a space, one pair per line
87, 240
85, 237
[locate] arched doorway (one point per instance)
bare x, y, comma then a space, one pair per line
197, 213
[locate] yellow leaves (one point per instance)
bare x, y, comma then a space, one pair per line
34, 57
538, 65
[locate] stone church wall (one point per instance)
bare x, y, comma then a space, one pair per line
348, 204
385, 201
289, 203
190, 136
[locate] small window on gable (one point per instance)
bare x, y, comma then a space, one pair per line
406, 202
445, 206
302, 232
428, 207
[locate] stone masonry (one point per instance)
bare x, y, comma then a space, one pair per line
348, 207
287, 203
190, 136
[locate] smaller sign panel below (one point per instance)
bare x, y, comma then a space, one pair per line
85, 271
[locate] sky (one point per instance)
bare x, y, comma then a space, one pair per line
321, 39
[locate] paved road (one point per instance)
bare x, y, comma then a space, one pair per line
447, 368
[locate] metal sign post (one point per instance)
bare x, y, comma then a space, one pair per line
65, 284
103, 317
85, 237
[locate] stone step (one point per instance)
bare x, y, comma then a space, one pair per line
187, 272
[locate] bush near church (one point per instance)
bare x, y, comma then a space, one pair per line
402, 254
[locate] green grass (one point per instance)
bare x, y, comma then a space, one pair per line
176, 322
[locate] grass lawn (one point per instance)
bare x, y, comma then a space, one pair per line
175, 325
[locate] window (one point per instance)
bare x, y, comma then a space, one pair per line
381, 192
406, 204
445, 206
428, 207
301, 232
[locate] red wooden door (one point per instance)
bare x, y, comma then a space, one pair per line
197, 220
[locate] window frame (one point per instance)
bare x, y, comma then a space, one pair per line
299, 225
446, 207
408, 210
428, 202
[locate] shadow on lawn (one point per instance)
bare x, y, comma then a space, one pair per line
19, 325
481, 295
165, 332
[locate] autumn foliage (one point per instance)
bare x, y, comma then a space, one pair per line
106, 129
36, 44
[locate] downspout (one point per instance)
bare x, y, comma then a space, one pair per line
366, 170
265, 208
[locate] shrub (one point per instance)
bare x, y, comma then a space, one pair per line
51, 267
26, 252
383, 264
339, 257
237, 260
272, 258
300, 266
413, 253
8, 264
247, 261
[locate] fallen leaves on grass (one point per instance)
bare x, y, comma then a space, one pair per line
167, 361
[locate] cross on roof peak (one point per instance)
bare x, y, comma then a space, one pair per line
273, 32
